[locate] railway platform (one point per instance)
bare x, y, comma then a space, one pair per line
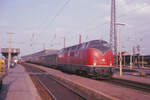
17, 85
135, 69
135, 78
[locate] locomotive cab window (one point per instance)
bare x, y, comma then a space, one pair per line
100, 45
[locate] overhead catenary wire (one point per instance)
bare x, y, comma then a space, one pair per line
90, 29
57, 14
53, 18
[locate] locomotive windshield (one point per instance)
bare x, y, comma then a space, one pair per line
101, 45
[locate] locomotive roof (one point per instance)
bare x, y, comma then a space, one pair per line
82, 44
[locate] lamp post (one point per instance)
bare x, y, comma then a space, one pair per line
120, 47
131, 58
141, 59
132, 49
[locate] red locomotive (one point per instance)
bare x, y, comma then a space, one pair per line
93, 58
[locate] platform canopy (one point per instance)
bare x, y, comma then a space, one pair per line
14, 52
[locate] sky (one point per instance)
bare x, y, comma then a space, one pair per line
39, 24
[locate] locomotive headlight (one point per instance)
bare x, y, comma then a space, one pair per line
103, 60
94, 61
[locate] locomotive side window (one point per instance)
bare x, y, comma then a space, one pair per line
71, 50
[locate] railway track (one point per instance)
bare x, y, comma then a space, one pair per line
54, 89
131, 84
125, 83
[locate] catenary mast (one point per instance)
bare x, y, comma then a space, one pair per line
113, 34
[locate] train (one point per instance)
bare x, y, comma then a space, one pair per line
93, 58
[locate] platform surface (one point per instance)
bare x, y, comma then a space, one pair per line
133, 78
17, 85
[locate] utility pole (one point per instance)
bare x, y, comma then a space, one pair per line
131, 55
138, 49
9, 49
142, 55
120, 47
113, 34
